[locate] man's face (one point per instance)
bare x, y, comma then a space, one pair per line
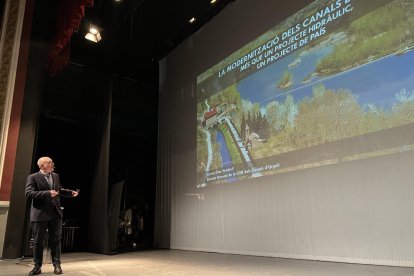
48, 166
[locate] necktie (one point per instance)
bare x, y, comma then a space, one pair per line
49, 180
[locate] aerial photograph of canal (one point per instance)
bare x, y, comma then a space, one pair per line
348, 95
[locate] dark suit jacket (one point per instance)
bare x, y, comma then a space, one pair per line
44, 206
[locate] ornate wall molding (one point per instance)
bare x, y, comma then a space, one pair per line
9, 51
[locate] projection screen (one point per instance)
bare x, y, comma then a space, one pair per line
287, 130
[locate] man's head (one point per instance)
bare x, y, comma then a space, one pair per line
46, 164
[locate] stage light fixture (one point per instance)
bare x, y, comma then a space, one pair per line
93, 34
213, 1
192, 20
93, 30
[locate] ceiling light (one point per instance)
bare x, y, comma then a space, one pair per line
93, 37
93, 34
93, 30
192, 20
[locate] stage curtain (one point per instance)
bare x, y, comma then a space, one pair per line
69, 18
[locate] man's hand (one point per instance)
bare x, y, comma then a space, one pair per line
53, 193
75, 193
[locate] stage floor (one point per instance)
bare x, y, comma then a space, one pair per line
189, 263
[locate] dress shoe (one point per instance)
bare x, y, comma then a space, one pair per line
58, 269
35, 271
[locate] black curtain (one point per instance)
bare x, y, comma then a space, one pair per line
98, 236
113, 214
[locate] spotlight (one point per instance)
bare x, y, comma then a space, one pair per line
93, 34
213, 1
192, 20
93, 30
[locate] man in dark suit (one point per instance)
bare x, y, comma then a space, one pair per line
46, 213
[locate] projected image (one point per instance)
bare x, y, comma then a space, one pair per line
333, 83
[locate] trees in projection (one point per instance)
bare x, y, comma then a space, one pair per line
327, 116
380, 33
